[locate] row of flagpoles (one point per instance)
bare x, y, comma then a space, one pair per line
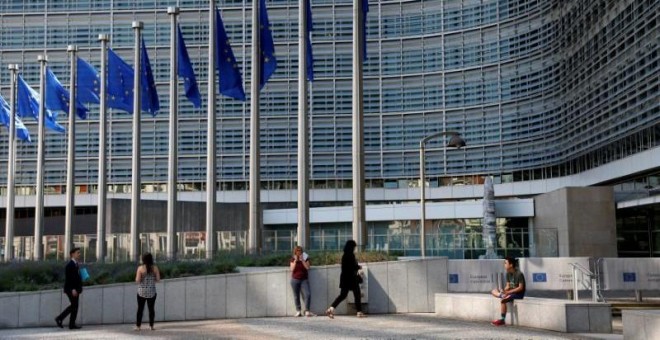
119, 87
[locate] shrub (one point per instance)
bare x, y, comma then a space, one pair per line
31, 276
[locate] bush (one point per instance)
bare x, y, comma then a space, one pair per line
31, 276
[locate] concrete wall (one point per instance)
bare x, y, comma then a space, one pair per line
584, 218
394, 287
479, 276
641, 324
631, 273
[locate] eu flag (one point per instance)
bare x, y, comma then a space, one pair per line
268, 61
120, 83
185, 71
365, 10
229, 75
89, 83
310, 28
5, 112
28, 104
58, 98
149, 98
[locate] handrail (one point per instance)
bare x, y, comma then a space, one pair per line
593, 278
599, 281
582, 269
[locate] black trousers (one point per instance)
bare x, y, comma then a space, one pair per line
357, 295
72, 309
150, 304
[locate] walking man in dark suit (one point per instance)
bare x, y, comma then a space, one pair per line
72, 288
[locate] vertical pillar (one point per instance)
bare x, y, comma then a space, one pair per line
136, 183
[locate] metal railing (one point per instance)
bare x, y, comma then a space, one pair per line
579, 275
455, 244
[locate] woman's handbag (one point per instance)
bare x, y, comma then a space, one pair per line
360, 279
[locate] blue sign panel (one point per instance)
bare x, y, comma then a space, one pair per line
453, 278
629, 277
539, 277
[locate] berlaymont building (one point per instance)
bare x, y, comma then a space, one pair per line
558, 103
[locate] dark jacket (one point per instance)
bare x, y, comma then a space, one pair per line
349, 268
72, 279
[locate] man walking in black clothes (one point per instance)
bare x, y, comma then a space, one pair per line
72, 289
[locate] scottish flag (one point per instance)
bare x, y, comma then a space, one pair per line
5, 113
150, 102
89, 83
58, 98
28, 105
186, 71
268, 61
229, 75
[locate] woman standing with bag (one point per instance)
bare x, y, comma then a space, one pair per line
348, 280
146, 277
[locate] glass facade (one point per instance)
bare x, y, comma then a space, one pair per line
539, 89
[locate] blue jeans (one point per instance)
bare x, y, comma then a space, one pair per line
297, 286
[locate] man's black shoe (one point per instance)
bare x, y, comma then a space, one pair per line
75, 327
59, 323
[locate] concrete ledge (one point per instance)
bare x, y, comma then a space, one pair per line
552, 314
641, 324
391, 287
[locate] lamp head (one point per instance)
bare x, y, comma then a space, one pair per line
456, 142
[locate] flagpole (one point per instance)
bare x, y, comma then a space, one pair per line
102, 187
359, 221
303, 161
173, 138
255, 183
9, 223
210, 138
71, 153
39, 208
136, 186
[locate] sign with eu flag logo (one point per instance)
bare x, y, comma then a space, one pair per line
539, 277
629, 277
453, 278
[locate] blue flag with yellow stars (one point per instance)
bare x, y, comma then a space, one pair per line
149, 98
89, 83
268, 61
308, 55
120, 83
365, 10
28, 105
229, 75
185, 71
58, 98
5, 112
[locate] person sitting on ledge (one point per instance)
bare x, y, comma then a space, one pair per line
513, 290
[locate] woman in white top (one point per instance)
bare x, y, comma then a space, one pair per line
146, 277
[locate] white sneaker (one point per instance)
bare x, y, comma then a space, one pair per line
309, 314
298, 313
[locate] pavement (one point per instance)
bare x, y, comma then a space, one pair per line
389, 326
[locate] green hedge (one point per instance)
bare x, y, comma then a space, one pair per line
31, 276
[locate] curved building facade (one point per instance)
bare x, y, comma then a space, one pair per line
539, 89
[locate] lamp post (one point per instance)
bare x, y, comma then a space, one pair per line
457, 142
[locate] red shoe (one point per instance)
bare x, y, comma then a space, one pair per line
498, 322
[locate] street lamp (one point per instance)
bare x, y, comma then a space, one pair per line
455, 141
